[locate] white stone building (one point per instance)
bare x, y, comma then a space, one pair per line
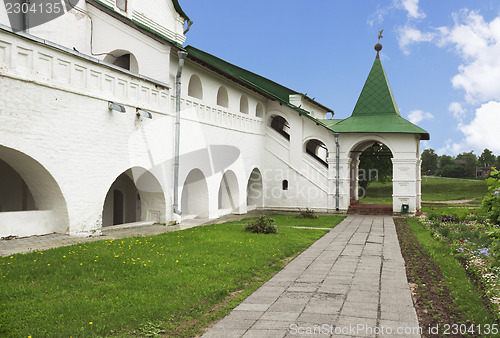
88, 131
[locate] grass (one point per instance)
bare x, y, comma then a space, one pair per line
467, 298
433, 189
175, 283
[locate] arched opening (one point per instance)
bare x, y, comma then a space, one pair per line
259, 110
371, 173
255, 191
14, 192
195, 88
281, 125
284, 185
123, 59
135, 195
244, 104
318, 151
228, 194
31, 202
222, 97
194, 198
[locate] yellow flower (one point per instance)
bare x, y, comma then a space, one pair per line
90, 323
177, 261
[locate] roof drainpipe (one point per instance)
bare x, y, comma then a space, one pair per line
337, 174
182, 55
26, 19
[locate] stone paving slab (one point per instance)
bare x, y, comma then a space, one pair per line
350, 283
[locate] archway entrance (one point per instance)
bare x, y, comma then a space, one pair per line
135, 195
255, 191
194, 198
31, 202
371, 172
228, 194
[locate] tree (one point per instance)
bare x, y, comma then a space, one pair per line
429, 161
469, 162
453, 170
375, 166
486, 159
445, 160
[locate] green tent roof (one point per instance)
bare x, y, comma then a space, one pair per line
376, 110
376, 96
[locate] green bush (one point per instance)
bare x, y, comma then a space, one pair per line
308, 213
262, 225
491, 202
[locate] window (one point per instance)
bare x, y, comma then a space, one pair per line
122, 4
259, 110
317, 150
244, 104
284, 185
279, 124
194, 88
222, 97
123, 61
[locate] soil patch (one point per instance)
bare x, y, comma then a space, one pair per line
431, 297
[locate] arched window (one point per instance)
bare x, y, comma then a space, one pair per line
284, 185
195, 89
259, 110
222, 97
318, 150
123, 59
279, 124
244, 104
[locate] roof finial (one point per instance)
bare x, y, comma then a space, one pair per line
378, 46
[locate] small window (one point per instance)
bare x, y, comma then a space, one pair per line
244, 104
284, 184
259, 110
195, 88
222, 97
122, 4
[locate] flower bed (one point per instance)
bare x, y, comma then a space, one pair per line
475, 242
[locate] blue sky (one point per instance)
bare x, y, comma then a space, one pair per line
442, 57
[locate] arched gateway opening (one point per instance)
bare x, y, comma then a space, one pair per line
135, 195
194, 198
255, 191
228, 194
371, 172
31, 202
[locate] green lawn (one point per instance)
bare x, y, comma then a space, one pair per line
433, 189
170, 282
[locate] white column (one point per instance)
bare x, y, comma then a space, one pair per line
404, 183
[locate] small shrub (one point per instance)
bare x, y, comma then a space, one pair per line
262, 225
491, 202
308, 213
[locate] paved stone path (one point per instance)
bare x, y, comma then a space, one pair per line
350, 283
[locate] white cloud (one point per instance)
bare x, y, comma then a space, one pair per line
451, 148
477, 42
483, 131
411, 6
408, 35
415, 116
457, 110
